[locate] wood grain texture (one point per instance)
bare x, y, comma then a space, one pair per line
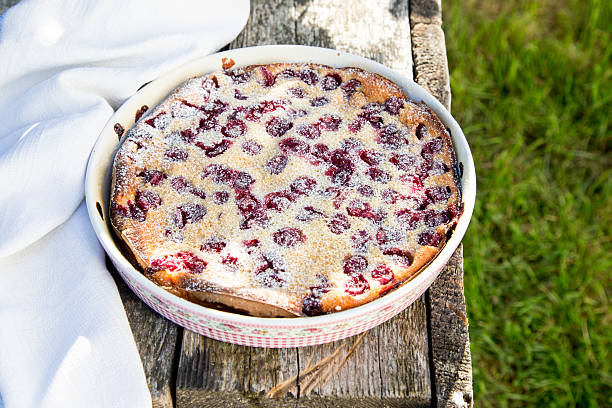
156, 339
391, 365
449, 336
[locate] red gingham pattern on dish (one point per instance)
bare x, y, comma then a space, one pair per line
260, 335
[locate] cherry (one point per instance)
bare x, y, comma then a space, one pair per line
279, 201
320, 101
188, 213
277, 127
234, 128
360, 240
208, 122
155, 177
430, 238
246, 202
219, 173
378, 175
216, 149
250, 243
393, 105
404, 254
188, 135
296, 113
251, 147
420, 131
409, 219
213, 245
296, 92
340, 158
356, 285
311, 306
309, 76
439, 168
350, 87
119, 130
355, 126
183, 260
404, 161
360, 209
371, 157
331, 81
365, 191
307, 214
390, 137
140, 112
147, 199
338, 223
295, 146
288, 74
288, 237
157, 121
239, 76
221, 197
330, 122
303, 185
321, 152
383, 274
242, 181
431, 148
311, 131
355, 264
385, 236
435, 218
268, 78
268, 273
238, 95
175, 154
437, 194
390, 196
277, 164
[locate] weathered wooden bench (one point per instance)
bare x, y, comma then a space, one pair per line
419, 358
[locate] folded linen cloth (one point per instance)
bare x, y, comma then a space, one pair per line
64, 65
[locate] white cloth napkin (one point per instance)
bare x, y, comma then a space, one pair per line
64, 65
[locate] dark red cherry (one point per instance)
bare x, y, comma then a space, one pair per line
213, 245
215, 149
221, 197
320, 101
277, 127
296, 92
393, 105
356, 285
309, 76
311, 131
390, 137
238, 95
430, 238
147, 200
385, 236
321, 152
350, 87
437, 194
383, 274
155, 177
355, 264
404, 161
175, 154
243, 181
308, 213
268, 78
234, 128
251, 147
291, 145
365, 191
330, 122
277, 164
355, 126
331, 81
360, 240
303, 185
378, 175
279, 201
404, 254
431, 148
371, 157
338, 223
288, 237
408, 218
420, 131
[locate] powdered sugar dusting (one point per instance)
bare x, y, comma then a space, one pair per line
284, 155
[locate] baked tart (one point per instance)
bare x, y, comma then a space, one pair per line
285, 189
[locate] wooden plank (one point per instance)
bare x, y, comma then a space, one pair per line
156, 339
449, 336
392, 360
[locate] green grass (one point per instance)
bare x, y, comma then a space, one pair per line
532, 89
